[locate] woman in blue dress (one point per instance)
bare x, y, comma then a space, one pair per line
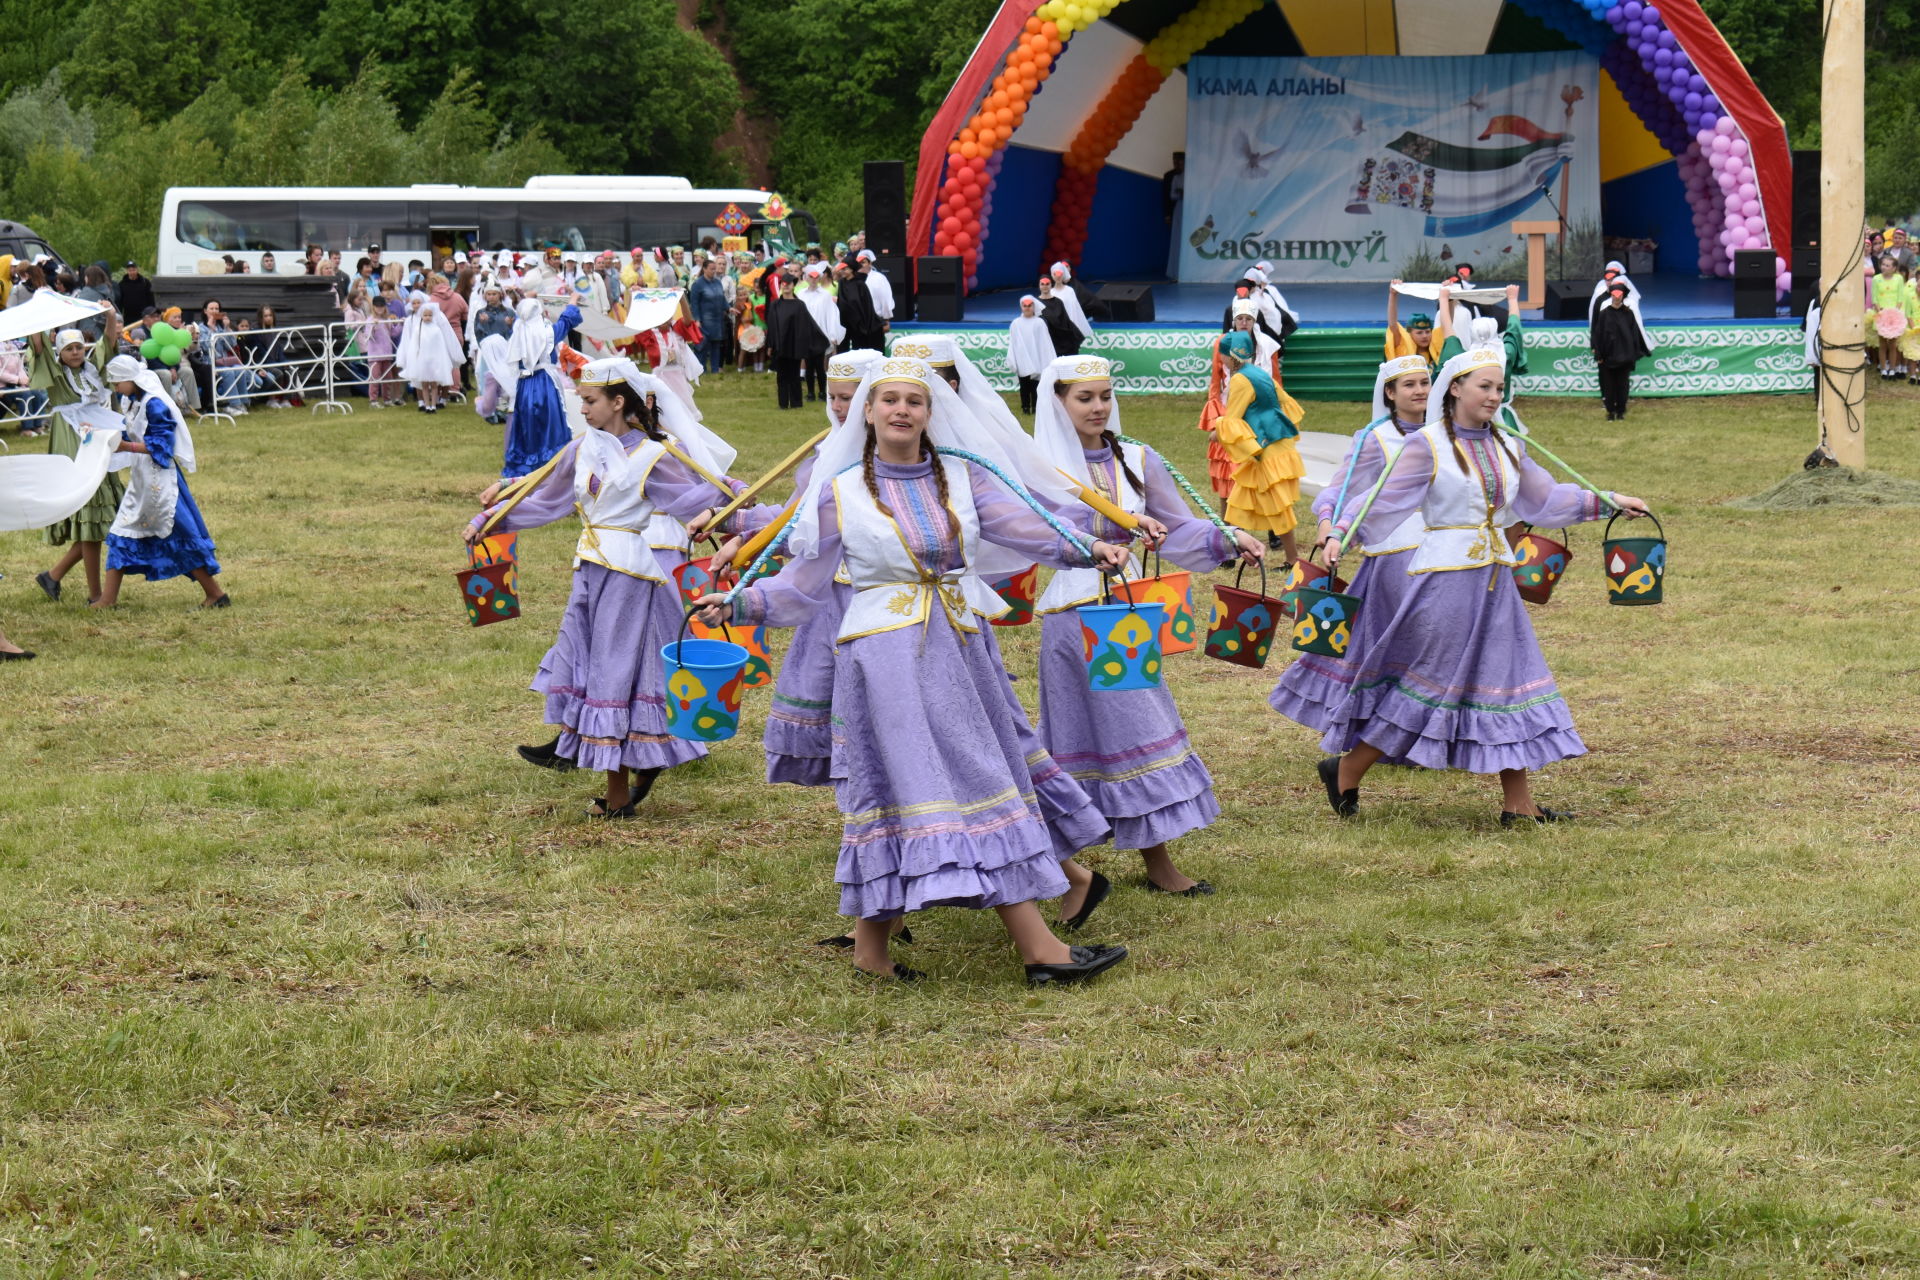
158, 532
537, 428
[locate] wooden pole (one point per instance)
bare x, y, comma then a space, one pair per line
1842, 386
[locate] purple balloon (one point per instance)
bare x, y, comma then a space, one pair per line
1694, 102
1661, 58
1632, 9
1616, 15
1650, 15
1697, 82
1633, 30
1667, 40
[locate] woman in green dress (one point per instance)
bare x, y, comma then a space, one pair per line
75, 370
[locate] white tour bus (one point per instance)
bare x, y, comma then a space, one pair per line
201, 226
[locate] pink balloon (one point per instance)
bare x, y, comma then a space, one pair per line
1722, 145
1724, 126
1780, 265
1739, 146
1748, 191
1751, 208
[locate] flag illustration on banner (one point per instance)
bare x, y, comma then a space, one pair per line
1464, 190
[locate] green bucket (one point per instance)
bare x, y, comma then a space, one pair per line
1326, 621
1636, 568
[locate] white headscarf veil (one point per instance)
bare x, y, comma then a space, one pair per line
1052, 429
989, 410
1389, 370
129, 369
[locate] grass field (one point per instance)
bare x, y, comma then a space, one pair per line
305, 975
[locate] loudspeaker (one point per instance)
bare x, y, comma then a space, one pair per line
1568, 299
1127, 303
937, 274
939, 308
1753, 283
1806, 197
895, 269
886, 207
1806, 278
1753, 264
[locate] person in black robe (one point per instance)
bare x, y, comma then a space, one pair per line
792, 337
865, 330
1059, 321
1617, 346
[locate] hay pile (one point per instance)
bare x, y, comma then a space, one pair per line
1834, 487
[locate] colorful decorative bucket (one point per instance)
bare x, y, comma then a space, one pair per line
1543, 562
1173, 592
1122, 643
1242, 626
1306, 574
755, 640
490, 591
1636, 568
1325, 622
703, 687
494, 548
1019, 590
693, 579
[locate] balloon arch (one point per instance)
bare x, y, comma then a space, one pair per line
1669, 62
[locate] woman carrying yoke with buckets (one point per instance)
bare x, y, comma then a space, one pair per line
603, 678
933, 762
1453, 677
1127, 746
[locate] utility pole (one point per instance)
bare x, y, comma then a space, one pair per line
1842, 386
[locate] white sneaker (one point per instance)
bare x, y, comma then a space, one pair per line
239, 409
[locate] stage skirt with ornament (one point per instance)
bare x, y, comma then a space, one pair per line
603, 677
938, 797
799, 733
1128, 748
1312, 686
1448, 677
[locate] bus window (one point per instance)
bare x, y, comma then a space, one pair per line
237, 225
575, 228
350, 228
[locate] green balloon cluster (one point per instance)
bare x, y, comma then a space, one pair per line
166, 344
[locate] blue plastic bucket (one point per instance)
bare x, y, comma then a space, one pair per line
1122, 645
703, 687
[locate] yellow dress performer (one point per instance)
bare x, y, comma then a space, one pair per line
1257, 431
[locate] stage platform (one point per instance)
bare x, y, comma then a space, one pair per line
1664, 300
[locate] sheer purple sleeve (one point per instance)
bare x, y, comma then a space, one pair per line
1541, 501
1192, 542
1367, 466
793, 595
674, 489
1008, 522
1405, 489
550, 500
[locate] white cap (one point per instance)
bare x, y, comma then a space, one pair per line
68, 338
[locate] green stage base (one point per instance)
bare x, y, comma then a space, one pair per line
1705, 359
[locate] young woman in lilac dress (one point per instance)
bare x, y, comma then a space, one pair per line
932, 759
603, 677
1453, 678
1128, 748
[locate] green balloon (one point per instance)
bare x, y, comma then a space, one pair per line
163, 331
150, 349
169, 355
181, 339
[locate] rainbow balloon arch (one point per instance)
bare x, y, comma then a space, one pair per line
1669, 62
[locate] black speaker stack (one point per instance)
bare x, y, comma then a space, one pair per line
886, 207
1127, 303
938, 296
1753, 284
1805, 262
896, 269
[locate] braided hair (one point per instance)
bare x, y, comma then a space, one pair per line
634, 408
1120, 456
1450, 403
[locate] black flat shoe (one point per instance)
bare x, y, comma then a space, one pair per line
1087, 962
599, 810
900, 974
49, 584
1345, 803
25, 655
1508, 818
642, 783
1198, 889
1096, 894
844, 941
224, 602
545, 757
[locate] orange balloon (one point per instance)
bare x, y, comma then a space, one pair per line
996, 100
953, 148
1033, 25
969, 150
1042, 74
1050, 31
967, 135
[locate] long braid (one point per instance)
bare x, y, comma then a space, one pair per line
940, 484
1119, 455
873, 481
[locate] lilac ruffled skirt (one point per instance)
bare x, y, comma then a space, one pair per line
1441, 672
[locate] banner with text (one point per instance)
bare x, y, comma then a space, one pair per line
1376, 168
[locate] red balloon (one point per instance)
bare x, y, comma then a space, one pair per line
961, 240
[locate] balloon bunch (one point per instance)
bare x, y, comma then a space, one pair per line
1118, 111
1723, 191
975, 155
166, 344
